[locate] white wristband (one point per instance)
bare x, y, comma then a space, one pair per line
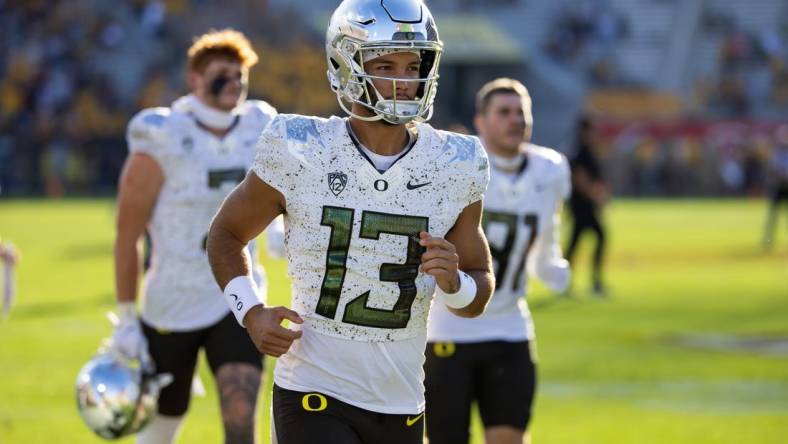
463, 297
241, 295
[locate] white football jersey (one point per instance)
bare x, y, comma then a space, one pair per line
200, 169
521, 221
351, 237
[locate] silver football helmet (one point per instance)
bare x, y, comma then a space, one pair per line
385, 26
116, 398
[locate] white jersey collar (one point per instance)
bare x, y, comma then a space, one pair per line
208, 116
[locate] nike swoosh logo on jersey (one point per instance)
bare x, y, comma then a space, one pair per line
410, 421
413, 186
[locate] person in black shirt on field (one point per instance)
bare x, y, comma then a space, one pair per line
777, 189
589, 195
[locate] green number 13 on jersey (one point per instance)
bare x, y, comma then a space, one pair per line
373, 224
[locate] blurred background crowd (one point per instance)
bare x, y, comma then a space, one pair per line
688, 97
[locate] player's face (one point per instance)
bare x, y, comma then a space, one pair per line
222, 85
400, 65
503, 125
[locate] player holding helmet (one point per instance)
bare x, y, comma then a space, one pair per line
183, 161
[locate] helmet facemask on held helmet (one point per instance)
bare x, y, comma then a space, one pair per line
362, 29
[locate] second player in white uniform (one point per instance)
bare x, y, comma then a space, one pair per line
520, 221
488, 358
200, 170
183, 161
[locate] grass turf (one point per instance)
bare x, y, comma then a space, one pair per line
679, 352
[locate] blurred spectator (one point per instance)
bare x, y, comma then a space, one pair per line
779, 72
731, 170
754, 164
72, 72
645, 168
584, 33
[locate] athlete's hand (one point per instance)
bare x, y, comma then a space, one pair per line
265, 329
128, 340
441, 261
8, 254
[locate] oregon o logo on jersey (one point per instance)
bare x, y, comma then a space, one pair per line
444, 349
381, 185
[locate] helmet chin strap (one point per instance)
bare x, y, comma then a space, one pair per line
349, 112
389, 110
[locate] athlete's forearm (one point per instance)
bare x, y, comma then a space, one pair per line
244, 214
227, 254
485, 283
128, 263
546, 261
139, 187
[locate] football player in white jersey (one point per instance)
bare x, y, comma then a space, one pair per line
381, 212
183, 161
9, 258
489, 359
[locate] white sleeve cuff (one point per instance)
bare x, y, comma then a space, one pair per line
241, 294
127, 311
463, 297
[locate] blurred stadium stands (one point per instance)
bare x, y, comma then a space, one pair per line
691, 96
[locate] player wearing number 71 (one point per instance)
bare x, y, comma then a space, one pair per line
379, 216
489, 359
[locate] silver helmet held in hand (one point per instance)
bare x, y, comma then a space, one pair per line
116, 398
359, 26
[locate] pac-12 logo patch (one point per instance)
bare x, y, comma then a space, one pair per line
337, 182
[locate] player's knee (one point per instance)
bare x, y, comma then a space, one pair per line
503, 434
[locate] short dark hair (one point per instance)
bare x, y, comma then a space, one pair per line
502, 85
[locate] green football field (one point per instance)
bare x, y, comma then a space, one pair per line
690, 347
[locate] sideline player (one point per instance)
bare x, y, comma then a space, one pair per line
490, 359
777, 185
379, 215
182, 163
9, 258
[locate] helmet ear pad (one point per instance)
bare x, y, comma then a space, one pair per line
338, 69
341, 74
